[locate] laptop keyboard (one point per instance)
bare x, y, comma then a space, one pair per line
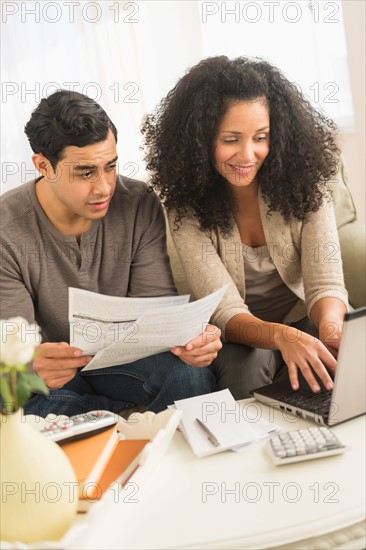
318, 403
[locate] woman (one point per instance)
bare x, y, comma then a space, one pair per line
241, 161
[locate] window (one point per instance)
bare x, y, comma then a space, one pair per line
128, 54
305, 39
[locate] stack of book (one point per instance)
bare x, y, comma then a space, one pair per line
100, 460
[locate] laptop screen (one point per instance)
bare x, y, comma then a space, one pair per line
349, 399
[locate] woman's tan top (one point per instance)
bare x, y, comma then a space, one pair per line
306, 255
266, 296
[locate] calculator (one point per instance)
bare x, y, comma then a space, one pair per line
303, 444
68, 428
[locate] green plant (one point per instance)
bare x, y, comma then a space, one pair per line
17, 345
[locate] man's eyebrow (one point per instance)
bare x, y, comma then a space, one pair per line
89, 167
81, 167
112, 161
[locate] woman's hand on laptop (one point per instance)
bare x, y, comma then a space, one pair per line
308, 354
330, 332
201, 351
57, 363
328, 314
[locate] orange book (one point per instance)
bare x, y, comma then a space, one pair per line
89, 457
122, 463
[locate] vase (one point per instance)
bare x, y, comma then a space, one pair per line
39, 494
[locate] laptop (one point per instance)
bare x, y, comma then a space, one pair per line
348, 397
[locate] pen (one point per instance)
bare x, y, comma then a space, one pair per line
211, 436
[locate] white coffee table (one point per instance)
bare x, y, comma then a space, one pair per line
236, 500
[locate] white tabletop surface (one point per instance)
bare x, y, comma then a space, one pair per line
234, 500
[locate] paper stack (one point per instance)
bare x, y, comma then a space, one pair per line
122, 330
215, 422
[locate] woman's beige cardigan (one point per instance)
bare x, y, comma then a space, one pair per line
306, 255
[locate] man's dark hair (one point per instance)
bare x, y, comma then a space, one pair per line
66, 118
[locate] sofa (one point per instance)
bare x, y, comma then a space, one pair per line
352, 239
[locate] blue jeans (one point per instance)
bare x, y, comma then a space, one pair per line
154, 382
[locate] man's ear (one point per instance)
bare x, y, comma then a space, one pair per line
43, 165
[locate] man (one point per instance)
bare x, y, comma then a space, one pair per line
79, 224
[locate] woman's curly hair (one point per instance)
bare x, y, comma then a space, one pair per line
180, 136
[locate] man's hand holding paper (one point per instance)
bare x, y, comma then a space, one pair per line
201, 351
123, 330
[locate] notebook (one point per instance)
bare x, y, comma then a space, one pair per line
122, 464
347, 399
214, 422
89, 457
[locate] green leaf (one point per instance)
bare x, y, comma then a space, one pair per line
4, 369
34, 382
5, 392
21, 368
23, 392
16, 391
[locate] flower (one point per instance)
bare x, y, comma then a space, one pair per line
18, 340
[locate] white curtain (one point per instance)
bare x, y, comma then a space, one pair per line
128, 55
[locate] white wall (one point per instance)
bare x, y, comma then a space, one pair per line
353, 143
153, 53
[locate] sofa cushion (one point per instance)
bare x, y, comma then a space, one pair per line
352, 239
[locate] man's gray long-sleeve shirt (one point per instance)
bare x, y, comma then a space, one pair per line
123, 254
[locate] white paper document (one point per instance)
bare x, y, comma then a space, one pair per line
224, 418
122, 330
